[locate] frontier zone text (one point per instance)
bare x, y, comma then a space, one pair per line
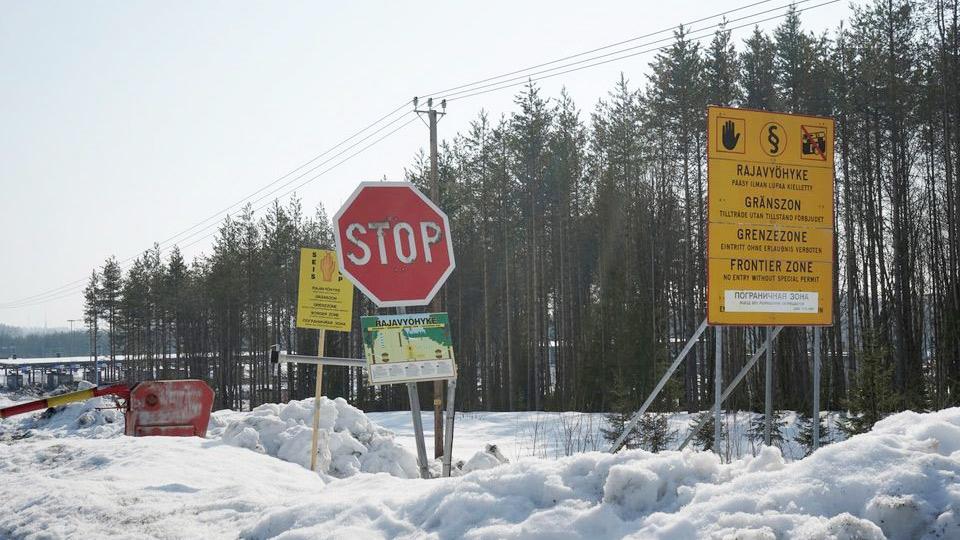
771, 265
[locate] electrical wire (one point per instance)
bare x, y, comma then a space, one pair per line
459, 92
617, 44
318, 156
709, 29
638, 53
66, 294
311, 179
220, 213
308, 171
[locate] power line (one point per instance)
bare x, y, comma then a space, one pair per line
123, 262
67, 294
638, 53
458, 92
80, 282
710, 29
332, 148
644, 36
311, 179
308, 171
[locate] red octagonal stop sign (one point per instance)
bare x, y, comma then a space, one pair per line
394, 243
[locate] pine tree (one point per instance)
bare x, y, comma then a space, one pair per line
531, 133
705, 435
92, 305
655, 434
722, 70
805, 433
676, 98
793, 56
758, 426
757, 64
873, 396
111, 284
618, 417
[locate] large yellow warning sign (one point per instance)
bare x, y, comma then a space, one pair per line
770, 218
325, 297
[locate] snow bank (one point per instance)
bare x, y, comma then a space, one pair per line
349, 442
95, 418
902, 480
141, 487
899, 481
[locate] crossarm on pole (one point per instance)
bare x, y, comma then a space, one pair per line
283, 358
663, 381
732, 386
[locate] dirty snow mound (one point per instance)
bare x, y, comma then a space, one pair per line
96, 418
348, 443
487, 458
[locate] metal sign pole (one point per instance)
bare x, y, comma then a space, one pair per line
816, 387
418, 429
417, 420
448, 436
730, 388
283, 358
663, 381
717, 389
768, 391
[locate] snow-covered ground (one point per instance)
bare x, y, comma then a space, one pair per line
72, 474
550, 435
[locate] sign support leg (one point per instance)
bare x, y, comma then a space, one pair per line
656, 391
768, 390
717, 388
816, 387
730, 387
438, 445
316, 406
448, 436
418, 429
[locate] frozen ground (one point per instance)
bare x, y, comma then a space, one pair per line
73, 475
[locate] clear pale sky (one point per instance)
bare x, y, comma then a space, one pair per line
123, 123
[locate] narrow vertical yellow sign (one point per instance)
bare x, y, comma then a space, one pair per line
324, 297
770, 218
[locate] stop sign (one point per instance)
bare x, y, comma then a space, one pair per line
394, 243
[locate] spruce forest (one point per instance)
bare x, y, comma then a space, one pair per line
580, 242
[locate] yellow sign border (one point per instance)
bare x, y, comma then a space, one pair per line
323, 304
788, 156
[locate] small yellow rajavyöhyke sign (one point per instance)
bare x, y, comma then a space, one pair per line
770, 218
325, 297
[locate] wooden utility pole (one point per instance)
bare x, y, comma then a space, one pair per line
437, 304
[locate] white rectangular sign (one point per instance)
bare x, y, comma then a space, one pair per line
771, 301
411, 371
408, 347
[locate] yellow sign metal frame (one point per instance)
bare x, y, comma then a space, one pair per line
770, 218
324, 296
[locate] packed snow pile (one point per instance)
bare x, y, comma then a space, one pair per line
349, 442
141, 487
488, 458
900, 481
95, 418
